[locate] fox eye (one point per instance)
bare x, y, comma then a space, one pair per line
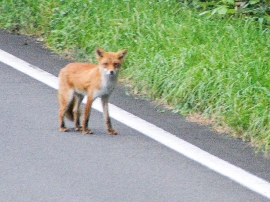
116, 64
105, 64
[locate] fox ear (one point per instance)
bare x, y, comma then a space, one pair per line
99, 52
122, 54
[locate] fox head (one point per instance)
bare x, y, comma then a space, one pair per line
110, 62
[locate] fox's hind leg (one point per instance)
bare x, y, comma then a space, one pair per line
64, 101
76, 111
61, 113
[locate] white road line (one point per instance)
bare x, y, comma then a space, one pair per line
220, 166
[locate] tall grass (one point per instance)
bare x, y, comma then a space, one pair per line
217, 67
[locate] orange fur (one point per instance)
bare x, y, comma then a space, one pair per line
93, 80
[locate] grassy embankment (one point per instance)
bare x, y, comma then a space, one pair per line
216, 67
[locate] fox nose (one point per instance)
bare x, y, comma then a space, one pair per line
111, 72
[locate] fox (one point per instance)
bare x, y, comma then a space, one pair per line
94, 80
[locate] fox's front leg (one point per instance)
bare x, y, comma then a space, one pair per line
107, 118
87, 111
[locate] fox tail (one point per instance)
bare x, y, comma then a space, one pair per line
69, 112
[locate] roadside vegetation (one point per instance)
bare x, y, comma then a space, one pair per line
200, 57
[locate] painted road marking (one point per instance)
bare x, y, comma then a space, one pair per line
220, 166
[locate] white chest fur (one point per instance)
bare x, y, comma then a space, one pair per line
107, 85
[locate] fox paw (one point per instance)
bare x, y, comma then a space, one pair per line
112, 132
63, 129
87, 131
78, 128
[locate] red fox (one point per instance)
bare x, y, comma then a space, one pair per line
93, 80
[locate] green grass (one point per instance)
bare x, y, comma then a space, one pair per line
217, 67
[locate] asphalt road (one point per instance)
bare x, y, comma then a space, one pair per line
39, 163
